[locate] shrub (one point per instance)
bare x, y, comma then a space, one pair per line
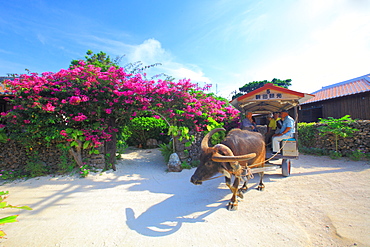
166, 150
82, 106
9, 174
144, 128
123, 136
3, 137
307, 132
356, 155
313, 151
335, 155
35, 167
337, 127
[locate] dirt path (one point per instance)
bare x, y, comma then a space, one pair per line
323, 203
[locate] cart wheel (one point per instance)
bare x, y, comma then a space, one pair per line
285, 167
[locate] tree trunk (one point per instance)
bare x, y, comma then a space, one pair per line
77, 153
111, 146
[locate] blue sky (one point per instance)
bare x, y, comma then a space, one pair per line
227, 43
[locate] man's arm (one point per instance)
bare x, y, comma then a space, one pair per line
284, 132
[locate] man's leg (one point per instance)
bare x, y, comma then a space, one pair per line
276, 142
268, 136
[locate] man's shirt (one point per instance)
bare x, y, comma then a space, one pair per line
288, 122
272, 123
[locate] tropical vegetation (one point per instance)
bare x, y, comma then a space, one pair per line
88, 104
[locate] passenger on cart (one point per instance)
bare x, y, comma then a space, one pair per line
248, 123
273, 127
286, 132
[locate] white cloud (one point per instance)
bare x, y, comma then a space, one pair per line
151, 52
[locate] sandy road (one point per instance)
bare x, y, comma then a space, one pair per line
323, 203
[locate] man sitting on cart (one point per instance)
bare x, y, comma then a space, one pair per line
273, 127
248, 123
286, 132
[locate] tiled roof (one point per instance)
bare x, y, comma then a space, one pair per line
357, 85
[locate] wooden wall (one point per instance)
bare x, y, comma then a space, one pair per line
358, 106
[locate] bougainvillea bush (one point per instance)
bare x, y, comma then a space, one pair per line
84, 106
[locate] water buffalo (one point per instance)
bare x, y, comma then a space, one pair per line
240, 151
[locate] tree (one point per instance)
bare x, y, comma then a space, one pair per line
337, 127
84, 105
251, 86
101, 60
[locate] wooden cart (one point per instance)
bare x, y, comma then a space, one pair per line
269, 99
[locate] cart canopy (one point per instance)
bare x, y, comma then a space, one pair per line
269, 98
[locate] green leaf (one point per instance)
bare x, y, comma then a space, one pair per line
74, 143
8, 219
86, 144
23, 207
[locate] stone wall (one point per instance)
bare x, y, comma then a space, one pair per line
14, 156
359, 141
191, 153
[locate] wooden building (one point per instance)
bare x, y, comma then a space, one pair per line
350, 97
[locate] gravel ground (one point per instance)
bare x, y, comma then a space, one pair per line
323, 203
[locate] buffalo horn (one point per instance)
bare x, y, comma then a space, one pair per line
224, 149
204, 144
220, 158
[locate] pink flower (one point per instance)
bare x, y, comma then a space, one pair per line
85, 98
2, 126
80, 117
63, 133
108, 111
48, 107
75, 100
27, 121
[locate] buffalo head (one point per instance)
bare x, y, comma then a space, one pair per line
217, 159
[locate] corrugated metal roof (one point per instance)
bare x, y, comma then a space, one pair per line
357, 85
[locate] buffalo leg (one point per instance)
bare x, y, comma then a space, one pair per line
261, 186
233, 204
243, 189
245, 178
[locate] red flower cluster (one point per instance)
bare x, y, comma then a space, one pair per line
85, 98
